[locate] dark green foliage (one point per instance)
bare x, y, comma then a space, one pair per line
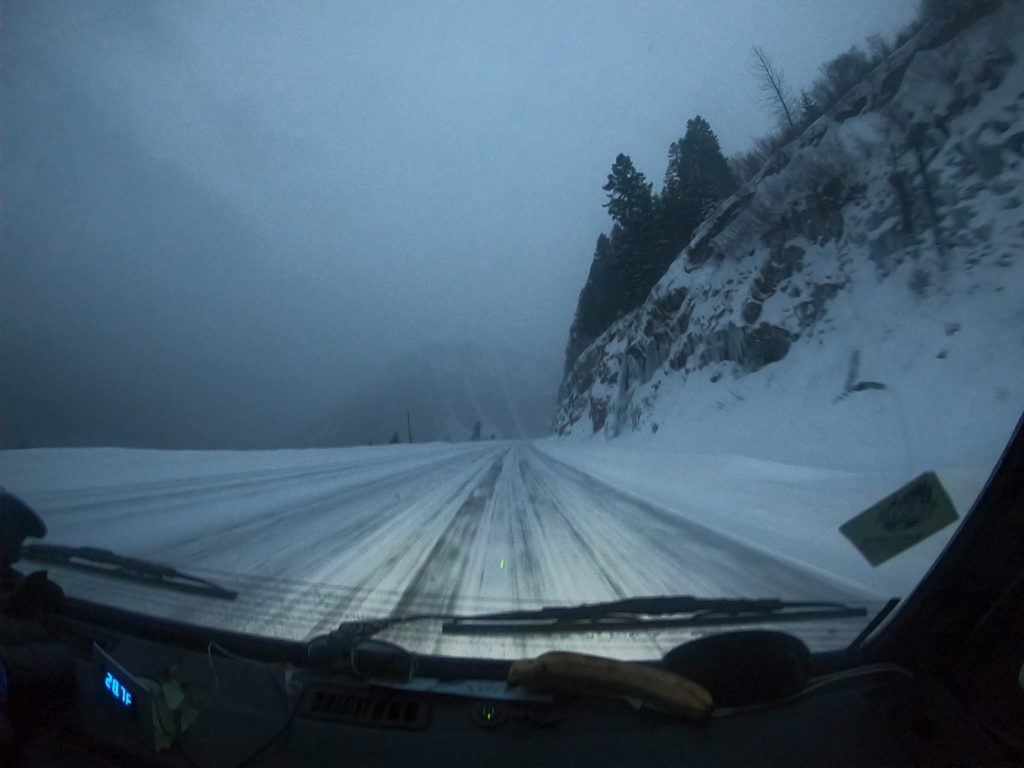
594, 312
697, 179
629, 195
648, 230
395, 439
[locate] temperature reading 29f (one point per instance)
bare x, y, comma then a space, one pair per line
117, 690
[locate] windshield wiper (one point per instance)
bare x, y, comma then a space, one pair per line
648, 613
103, 562
636, 613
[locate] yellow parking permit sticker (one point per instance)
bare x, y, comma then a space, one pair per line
901, 520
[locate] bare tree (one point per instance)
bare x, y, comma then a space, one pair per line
775, 94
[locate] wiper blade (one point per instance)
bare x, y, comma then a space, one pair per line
636, 613
103, 562
648, 613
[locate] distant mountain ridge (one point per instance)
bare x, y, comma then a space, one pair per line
447, 389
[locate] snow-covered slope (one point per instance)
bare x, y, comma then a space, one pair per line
860, 302
447, 389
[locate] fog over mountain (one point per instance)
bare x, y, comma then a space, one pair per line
219, 219
447, 390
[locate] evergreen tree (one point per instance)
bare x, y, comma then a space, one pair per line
629, 195
395, 439
633, 267
697, 179
594, 308
648, 231
476, 431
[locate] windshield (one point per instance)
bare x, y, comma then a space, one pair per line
371, 310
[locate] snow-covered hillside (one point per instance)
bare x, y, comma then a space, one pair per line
447, 389
860, 302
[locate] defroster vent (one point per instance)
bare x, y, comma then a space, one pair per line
374, 709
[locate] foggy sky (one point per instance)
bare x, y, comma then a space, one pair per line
220, 219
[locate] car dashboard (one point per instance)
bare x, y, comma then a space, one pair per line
92, 703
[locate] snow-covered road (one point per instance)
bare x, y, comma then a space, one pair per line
311, 538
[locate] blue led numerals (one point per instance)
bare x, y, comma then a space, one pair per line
117, 690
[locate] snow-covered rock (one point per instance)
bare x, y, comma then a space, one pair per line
860, 300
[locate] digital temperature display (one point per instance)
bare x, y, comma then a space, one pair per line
118, 690
122, 694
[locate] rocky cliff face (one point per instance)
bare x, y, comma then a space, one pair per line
913, 180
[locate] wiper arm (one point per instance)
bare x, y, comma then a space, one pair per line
106, 563
636, 613
341, 641
645, 613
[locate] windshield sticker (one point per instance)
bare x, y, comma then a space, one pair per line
899, 521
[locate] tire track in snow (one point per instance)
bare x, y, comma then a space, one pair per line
447, 563
408, 555
683, 549
527, 583
552, 524
424, 538
162, 491
109, 504
322, 517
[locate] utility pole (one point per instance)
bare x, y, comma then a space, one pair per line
408, 425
